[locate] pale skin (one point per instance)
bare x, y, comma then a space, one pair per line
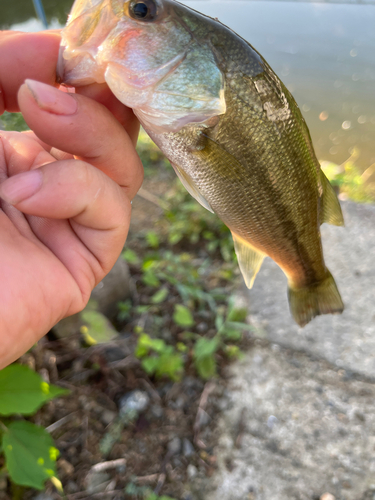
63, 218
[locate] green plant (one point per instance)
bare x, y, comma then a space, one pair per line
29, 451
153, 496
186, 221
204, 356
229, 328
349, 180
96, 328
143, 493
158, 358
182, 296
125, 309
13, 121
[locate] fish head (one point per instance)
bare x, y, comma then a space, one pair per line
154, 56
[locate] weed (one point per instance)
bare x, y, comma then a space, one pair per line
179, 296
187, 222
29, 451
13, 121
158, 358
349, 181
143, 493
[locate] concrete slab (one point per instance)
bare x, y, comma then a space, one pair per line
299, 422
295, 429
347, 340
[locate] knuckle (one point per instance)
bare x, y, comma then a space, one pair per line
83, 172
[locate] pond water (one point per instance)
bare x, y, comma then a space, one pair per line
324, 53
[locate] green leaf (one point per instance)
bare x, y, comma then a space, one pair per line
150, 495
244, 327
147, 344
204, 356
130, 256
97, 328
182, 316
149, 264
150, 365
233, 351
24, 391
124, 310
237, 314
152, 239
171, 365
168, 362
30, 454
206, 347
180, 346
231, 333
14, 121
219, 322
206, 367
160, 296
142, 309
150, 279
175, 238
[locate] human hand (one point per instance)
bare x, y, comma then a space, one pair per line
63, 218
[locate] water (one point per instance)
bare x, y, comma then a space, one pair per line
324, 53
18, 12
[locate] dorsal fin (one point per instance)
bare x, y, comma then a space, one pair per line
249, 259
330, 210
191, 187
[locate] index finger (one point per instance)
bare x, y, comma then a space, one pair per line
25, 55
34, 56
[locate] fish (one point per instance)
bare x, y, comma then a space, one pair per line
232, 131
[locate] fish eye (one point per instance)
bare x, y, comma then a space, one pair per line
143, 10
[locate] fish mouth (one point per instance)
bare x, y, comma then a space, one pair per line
60, 68
78, 68
88, 27
167, 87
81, 67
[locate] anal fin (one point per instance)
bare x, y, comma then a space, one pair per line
330, 206
249, 259
191, 187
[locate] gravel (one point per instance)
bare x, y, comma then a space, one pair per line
136, 401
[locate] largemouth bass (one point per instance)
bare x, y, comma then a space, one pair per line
232, 131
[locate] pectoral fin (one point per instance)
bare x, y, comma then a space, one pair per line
249, 259
191, 187
330, 210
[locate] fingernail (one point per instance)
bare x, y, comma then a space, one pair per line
50, 99
21, 186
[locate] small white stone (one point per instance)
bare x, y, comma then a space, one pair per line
192, 471
327, 496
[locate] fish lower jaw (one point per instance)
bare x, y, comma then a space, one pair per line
78, 69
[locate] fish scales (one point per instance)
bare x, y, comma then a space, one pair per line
230, 128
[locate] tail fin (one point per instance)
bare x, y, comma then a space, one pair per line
320, 298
